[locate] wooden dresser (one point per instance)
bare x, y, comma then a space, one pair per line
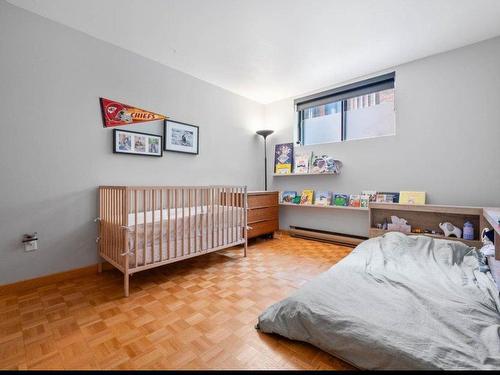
263, 212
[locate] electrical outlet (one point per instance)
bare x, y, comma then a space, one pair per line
30, 242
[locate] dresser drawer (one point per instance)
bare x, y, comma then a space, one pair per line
262, 200
262, 214
262, 227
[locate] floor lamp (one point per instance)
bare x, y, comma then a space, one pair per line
265, 134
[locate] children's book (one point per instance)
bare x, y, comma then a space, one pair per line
341, 200
355, 200
364, 200
283, 158
372, 194
319, 164
307, 197
296, 199
287, 196
412, 197
302, 159
323, 198
385, 197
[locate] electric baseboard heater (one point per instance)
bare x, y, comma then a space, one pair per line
326, 236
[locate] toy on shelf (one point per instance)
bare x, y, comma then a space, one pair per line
399, 224
450, 230
468, 231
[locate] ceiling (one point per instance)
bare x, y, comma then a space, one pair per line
268, 50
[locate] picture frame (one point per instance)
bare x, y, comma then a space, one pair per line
181, 137
136, 143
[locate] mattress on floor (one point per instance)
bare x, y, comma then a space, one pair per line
398, 302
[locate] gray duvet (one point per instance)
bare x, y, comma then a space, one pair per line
398, 302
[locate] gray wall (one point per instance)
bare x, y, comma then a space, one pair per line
55, 151
447, 141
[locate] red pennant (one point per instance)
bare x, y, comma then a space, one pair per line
117, 114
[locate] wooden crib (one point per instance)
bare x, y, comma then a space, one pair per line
142, 227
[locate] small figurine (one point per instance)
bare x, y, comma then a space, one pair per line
450, 230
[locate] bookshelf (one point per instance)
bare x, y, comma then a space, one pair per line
362, 209
427, 216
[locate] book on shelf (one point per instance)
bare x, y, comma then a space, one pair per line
372, 195
288, 196
341, 200
283, 158
325, 164
387, 197
355, 200
412, 197
364, 200
323, 198
302, 160
307, 197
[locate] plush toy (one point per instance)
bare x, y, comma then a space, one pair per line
450, 230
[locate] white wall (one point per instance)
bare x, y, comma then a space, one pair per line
55, 151
447, 141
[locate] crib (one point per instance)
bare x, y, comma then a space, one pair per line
142, 227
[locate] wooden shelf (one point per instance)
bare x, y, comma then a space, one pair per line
304, 174
375, 232
364, 209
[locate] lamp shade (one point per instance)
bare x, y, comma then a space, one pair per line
265, 133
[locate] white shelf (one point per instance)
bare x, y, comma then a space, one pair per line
364, 209
304, 174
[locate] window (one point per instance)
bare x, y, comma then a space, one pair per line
360, 110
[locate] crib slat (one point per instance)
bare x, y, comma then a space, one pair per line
136, 243
212, 191
195, 219
189, 221
175, 229
152, 203
144, 223
168, 224
183, 221
161, 225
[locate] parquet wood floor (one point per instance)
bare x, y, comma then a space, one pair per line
195, 314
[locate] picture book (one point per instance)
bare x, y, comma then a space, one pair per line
385, 197
323, 198
412, 197
287, 196
355, 200
307, 197
325, 164
302, 159
296, 199
372, 194
341, 200
364, 200
283, 158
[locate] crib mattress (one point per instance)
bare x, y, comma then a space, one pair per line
190, 232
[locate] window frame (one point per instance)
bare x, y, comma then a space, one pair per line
341, 94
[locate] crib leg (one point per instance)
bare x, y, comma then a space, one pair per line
245, 248
99, 267
125, 284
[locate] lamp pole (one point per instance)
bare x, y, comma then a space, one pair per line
265, 134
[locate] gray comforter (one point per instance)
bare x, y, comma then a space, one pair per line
398, 302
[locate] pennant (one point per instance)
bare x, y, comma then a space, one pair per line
117, 114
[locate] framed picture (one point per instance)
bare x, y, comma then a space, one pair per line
135, 143
181, 137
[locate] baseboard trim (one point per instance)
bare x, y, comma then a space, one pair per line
326, 236
37, 282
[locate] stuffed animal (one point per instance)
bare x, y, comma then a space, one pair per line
450, 230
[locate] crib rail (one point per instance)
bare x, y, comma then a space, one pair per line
142, 227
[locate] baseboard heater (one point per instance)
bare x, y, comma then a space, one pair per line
326, 236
